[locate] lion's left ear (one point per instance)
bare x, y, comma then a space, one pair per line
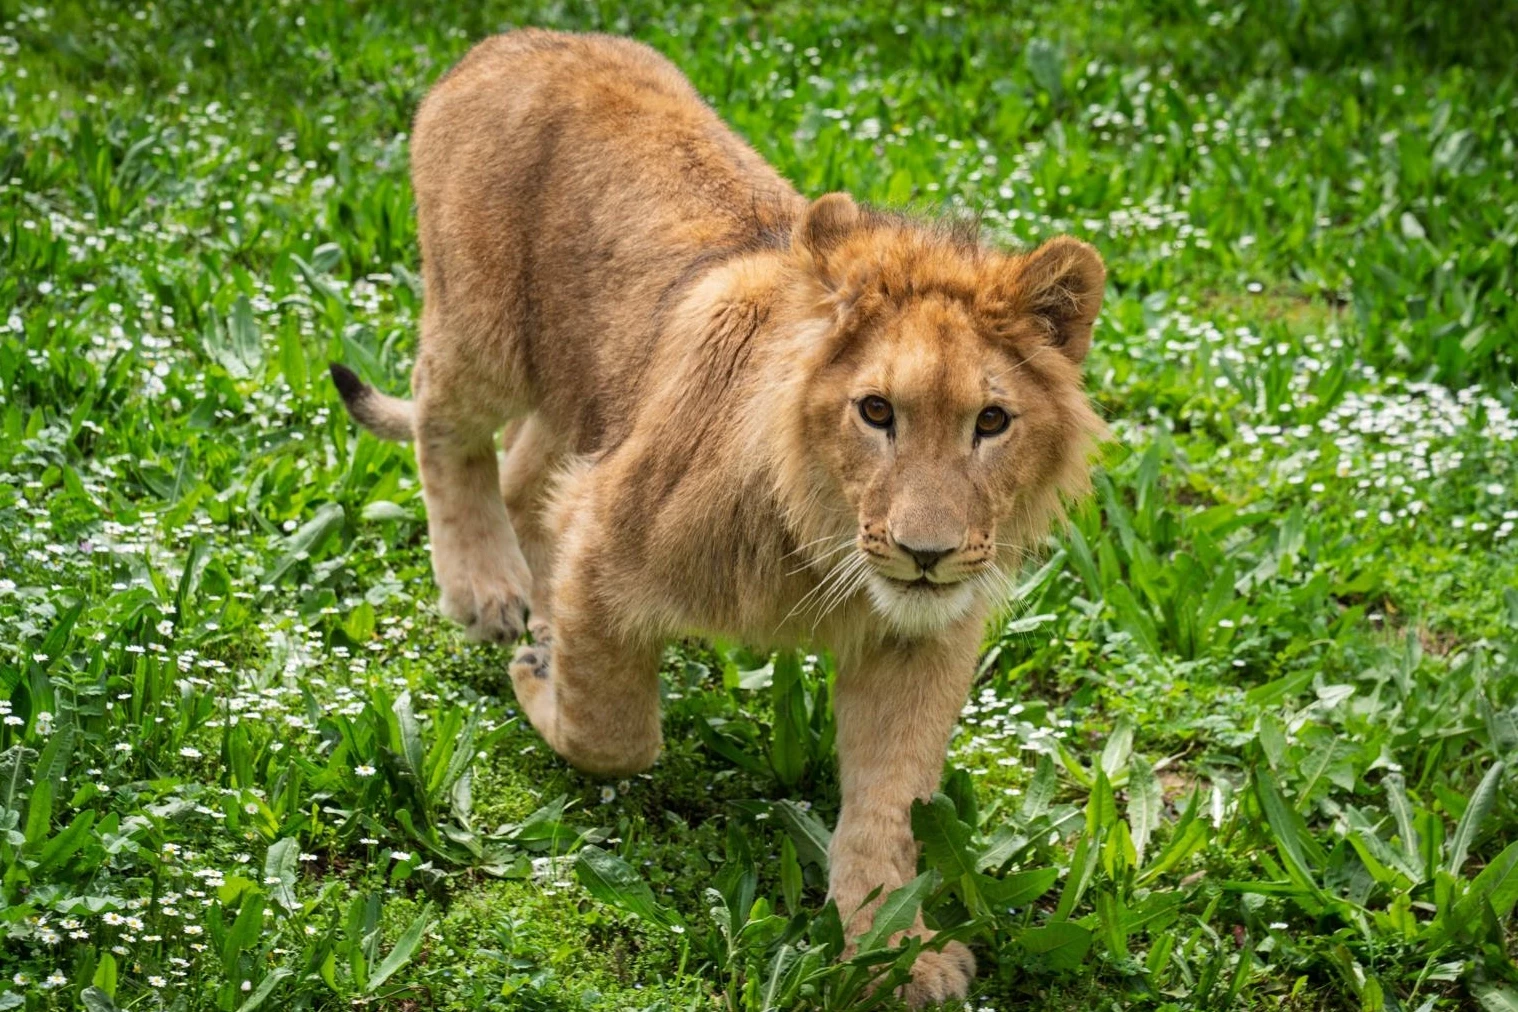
1062, 283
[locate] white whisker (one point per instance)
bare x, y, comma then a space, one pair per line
839, 568
844, 590
816, 541
848, 543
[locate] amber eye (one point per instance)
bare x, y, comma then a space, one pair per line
877, 411
993, 421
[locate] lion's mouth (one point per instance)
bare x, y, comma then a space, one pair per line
921, 585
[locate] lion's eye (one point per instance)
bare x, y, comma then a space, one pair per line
993, 421
877, 411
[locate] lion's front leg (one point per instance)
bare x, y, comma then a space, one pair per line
896, 705
589, 686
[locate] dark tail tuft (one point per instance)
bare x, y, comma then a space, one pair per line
349, 385
385, 416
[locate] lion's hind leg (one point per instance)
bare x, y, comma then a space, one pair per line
481, 572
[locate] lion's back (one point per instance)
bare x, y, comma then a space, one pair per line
565, 184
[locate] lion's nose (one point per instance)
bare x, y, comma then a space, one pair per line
926, 557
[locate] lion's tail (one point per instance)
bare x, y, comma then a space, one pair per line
385, 416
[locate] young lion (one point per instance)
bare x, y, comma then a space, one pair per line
728, 411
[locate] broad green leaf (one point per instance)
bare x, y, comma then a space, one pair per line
1118, 748
1187, 838
1004, 844
790, 735
1496, 997
359, 625
306, 540
899, 911
1017, 889
1118, 854
1134, 619
1062, 945
1033, 585
264, 989
53, 765
61, 847
400, 955
1101, 807
1111, 921
1272, 737
1288, 831
1466, 830
1402, 812
319, 285
1430, 832
1145, 802
613, 881
280, 866
1045, 65
384, 510
727, 748
96, 1000
39, 813
246, 344
945, 840
1273, 692
409, 746
790, 875
1498, 882
806, 831
1327, 762
194, 563
1383, 861
1040, 791
959, 786
244, 931
59, 636
545, 826
105, 975
785, 957
326, 256
292, 359
1083, 864
1084, 563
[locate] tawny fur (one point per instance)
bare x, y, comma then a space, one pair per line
678, 346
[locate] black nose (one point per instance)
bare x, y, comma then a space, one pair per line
926, 557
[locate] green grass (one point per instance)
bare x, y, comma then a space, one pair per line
1246, 739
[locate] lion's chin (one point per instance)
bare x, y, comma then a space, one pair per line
921, 608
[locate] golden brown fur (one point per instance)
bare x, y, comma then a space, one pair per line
683, 353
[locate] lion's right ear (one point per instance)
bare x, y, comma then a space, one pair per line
822, 228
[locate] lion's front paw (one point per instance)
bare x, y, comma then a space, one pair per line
530, 662
491, 610
531, 680
940, 976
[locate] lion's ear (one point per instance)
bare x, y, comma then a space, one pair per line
1062, 283
822, 228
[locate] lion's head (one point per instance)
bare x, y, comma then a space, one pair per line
945, 406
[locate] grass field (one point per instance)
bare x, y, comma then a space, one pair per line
1247, 738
